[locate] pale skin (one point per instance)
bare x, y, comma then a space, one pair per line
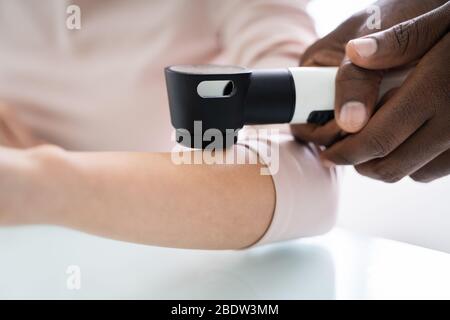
138, 197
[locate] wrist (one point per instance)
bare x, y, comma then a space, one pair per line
45, 185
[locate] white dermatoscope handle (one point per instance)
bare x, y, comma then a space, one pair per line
315, 89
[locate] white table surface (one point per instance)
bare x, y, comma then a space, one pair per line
339, 265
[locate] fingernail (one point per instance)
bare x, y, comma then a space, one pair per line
328, 164
365, 47
353, 116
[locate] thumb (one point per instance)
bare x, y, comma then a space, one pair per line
403, 43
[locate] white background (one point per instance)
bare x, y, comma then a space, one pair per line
405, 211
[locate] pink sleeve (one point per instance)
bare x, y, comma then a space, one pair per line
262, 33
306, 192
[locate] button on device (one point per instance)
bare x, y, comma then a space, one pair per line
320, 117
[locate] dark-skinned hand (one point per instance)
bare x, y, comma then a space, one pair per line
408, 132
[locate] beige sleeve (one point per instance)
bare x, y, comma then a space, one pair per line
306, 192
262, 33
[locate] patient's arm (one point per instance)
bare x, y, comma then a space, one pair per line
139, 197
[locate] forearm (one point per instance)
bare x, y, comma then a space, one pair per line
146, 198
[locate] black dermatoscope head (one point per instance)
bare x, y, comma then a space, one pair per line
207, 99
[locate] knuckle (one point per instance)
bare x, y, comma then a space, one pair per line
378, 145
404, 35
349, 71
310, 54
